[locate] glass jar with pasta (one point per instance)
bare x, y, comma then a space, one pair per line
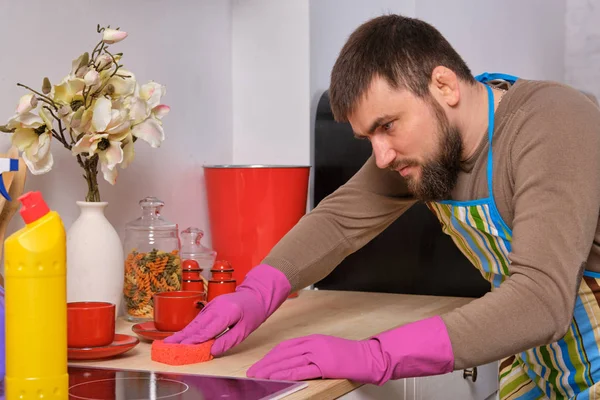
152, 261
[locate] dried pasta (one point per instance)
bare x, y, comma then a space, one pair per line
146, 274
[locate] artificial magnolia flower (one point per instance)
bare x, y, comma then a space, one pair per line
100, 127
101, 114
109, 150
27, 103
38, 156
144, 100
103, 61
109, 128
111, 36
151, 131
138, 109
106, 119
122, 86
146, 113
69, 93
79, 66
32, 137
63, 111
152, 92
91, 78
128, 151
160, 111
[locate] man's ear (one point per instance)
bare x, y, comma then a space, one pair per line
444, 86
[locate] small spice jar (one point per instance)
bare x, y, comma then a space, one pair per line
192, 277
190, 269
194, 285
221, 270
222, 281
218, 287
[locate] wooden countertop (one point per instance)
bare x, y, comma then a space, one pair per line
352, 315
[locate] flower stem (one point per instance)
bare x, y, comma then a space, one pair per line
47, 102
61, 130
90, 166
39, 94
98, 49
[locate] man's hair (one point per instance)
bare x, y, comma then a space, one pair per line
402, 50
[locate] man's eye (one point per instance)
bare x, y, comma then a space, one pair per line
388, 126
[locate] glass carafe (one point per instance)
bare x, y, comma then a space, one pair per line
152, 260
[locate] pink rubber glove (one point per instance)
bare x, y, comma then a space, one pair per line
261, 293
420, 348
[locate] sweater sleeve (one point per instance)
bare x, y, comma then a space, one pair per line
555, 165
341, 224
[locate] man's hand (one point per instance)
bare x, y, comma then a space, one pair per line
264, 289
421, 348
320, 356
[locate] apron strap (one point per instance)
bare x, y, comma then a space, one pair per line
484, 78
491, 76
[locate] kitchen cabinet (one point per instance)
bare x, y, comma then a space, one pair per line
456, 385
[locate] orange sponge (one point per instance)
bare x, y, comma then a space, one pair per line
180, 354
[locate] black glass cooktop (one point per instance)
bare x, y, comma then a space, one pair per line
120, 384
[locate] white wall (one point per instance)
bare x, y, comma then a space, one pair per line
582, 55
332, 22
524, 38
271, 82
528, 42
185, 45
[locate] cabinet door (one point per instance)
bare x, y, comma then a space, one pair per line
449, 386
460, 384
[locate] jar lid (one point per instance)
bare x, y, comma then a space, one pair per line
191, 265
151, 217
191, 246
221, 266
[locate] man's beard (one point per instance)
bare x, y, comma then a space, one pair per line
438, 175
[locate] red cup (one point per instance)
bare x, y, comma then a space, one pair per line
173, 311
90, 324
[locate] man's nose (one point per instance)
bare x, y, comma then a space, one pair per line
384, 155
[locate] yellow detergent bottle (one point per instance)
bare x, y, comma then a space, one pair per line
36, 305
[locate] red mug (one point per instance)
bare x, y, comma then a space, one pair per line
173, 311
90, 324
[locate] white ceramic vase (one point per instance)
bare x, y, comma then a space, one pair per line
95, 263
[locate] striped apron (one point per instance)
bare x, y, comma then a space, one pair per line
566, 369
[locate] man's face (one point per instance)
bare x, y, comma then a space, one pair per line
411, 136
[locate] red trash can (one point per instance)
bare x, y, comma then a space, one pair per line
251, 207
